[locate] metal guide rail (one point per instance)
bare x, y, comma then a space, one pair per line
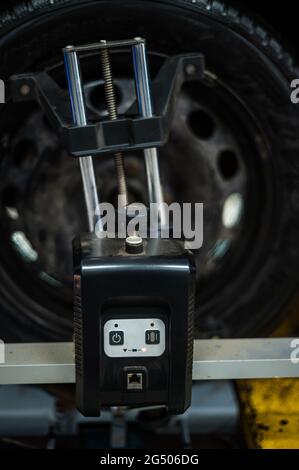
44, 363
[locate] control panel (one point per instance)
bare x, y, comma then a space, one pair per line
136, 337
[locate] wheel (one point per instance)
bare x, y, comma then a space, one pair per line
233, 145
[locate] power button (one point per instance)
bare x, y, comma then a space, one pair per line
116, 338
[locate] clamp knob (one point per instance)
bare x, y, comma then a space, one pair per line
134, 245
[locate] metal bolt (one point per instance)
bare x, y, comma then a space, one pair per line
190, 69
112, 111
25, 89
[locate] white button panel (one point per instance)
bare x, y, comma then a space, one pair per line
130, 337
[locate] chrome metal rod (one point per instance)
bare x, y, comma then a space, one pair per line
42, 363
74, 82
144, 98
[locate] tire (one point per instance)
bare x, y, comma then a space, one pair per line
256, 286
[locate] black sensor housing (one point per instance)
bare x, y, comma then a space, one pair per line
133, 316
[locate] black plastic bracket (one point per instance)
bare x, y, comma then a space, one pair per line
129, 132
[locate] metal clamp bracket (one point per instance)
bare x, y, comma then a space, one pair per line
123, 134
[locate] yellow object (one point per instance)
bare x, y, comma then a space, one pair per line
270, 413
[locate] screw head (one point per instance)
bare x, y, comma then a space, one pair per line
190, 69
25, 89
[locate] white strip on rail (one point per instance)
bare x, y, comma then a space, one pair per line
44, 363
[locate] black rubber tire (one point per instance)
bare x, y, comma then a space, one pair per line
266, 284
